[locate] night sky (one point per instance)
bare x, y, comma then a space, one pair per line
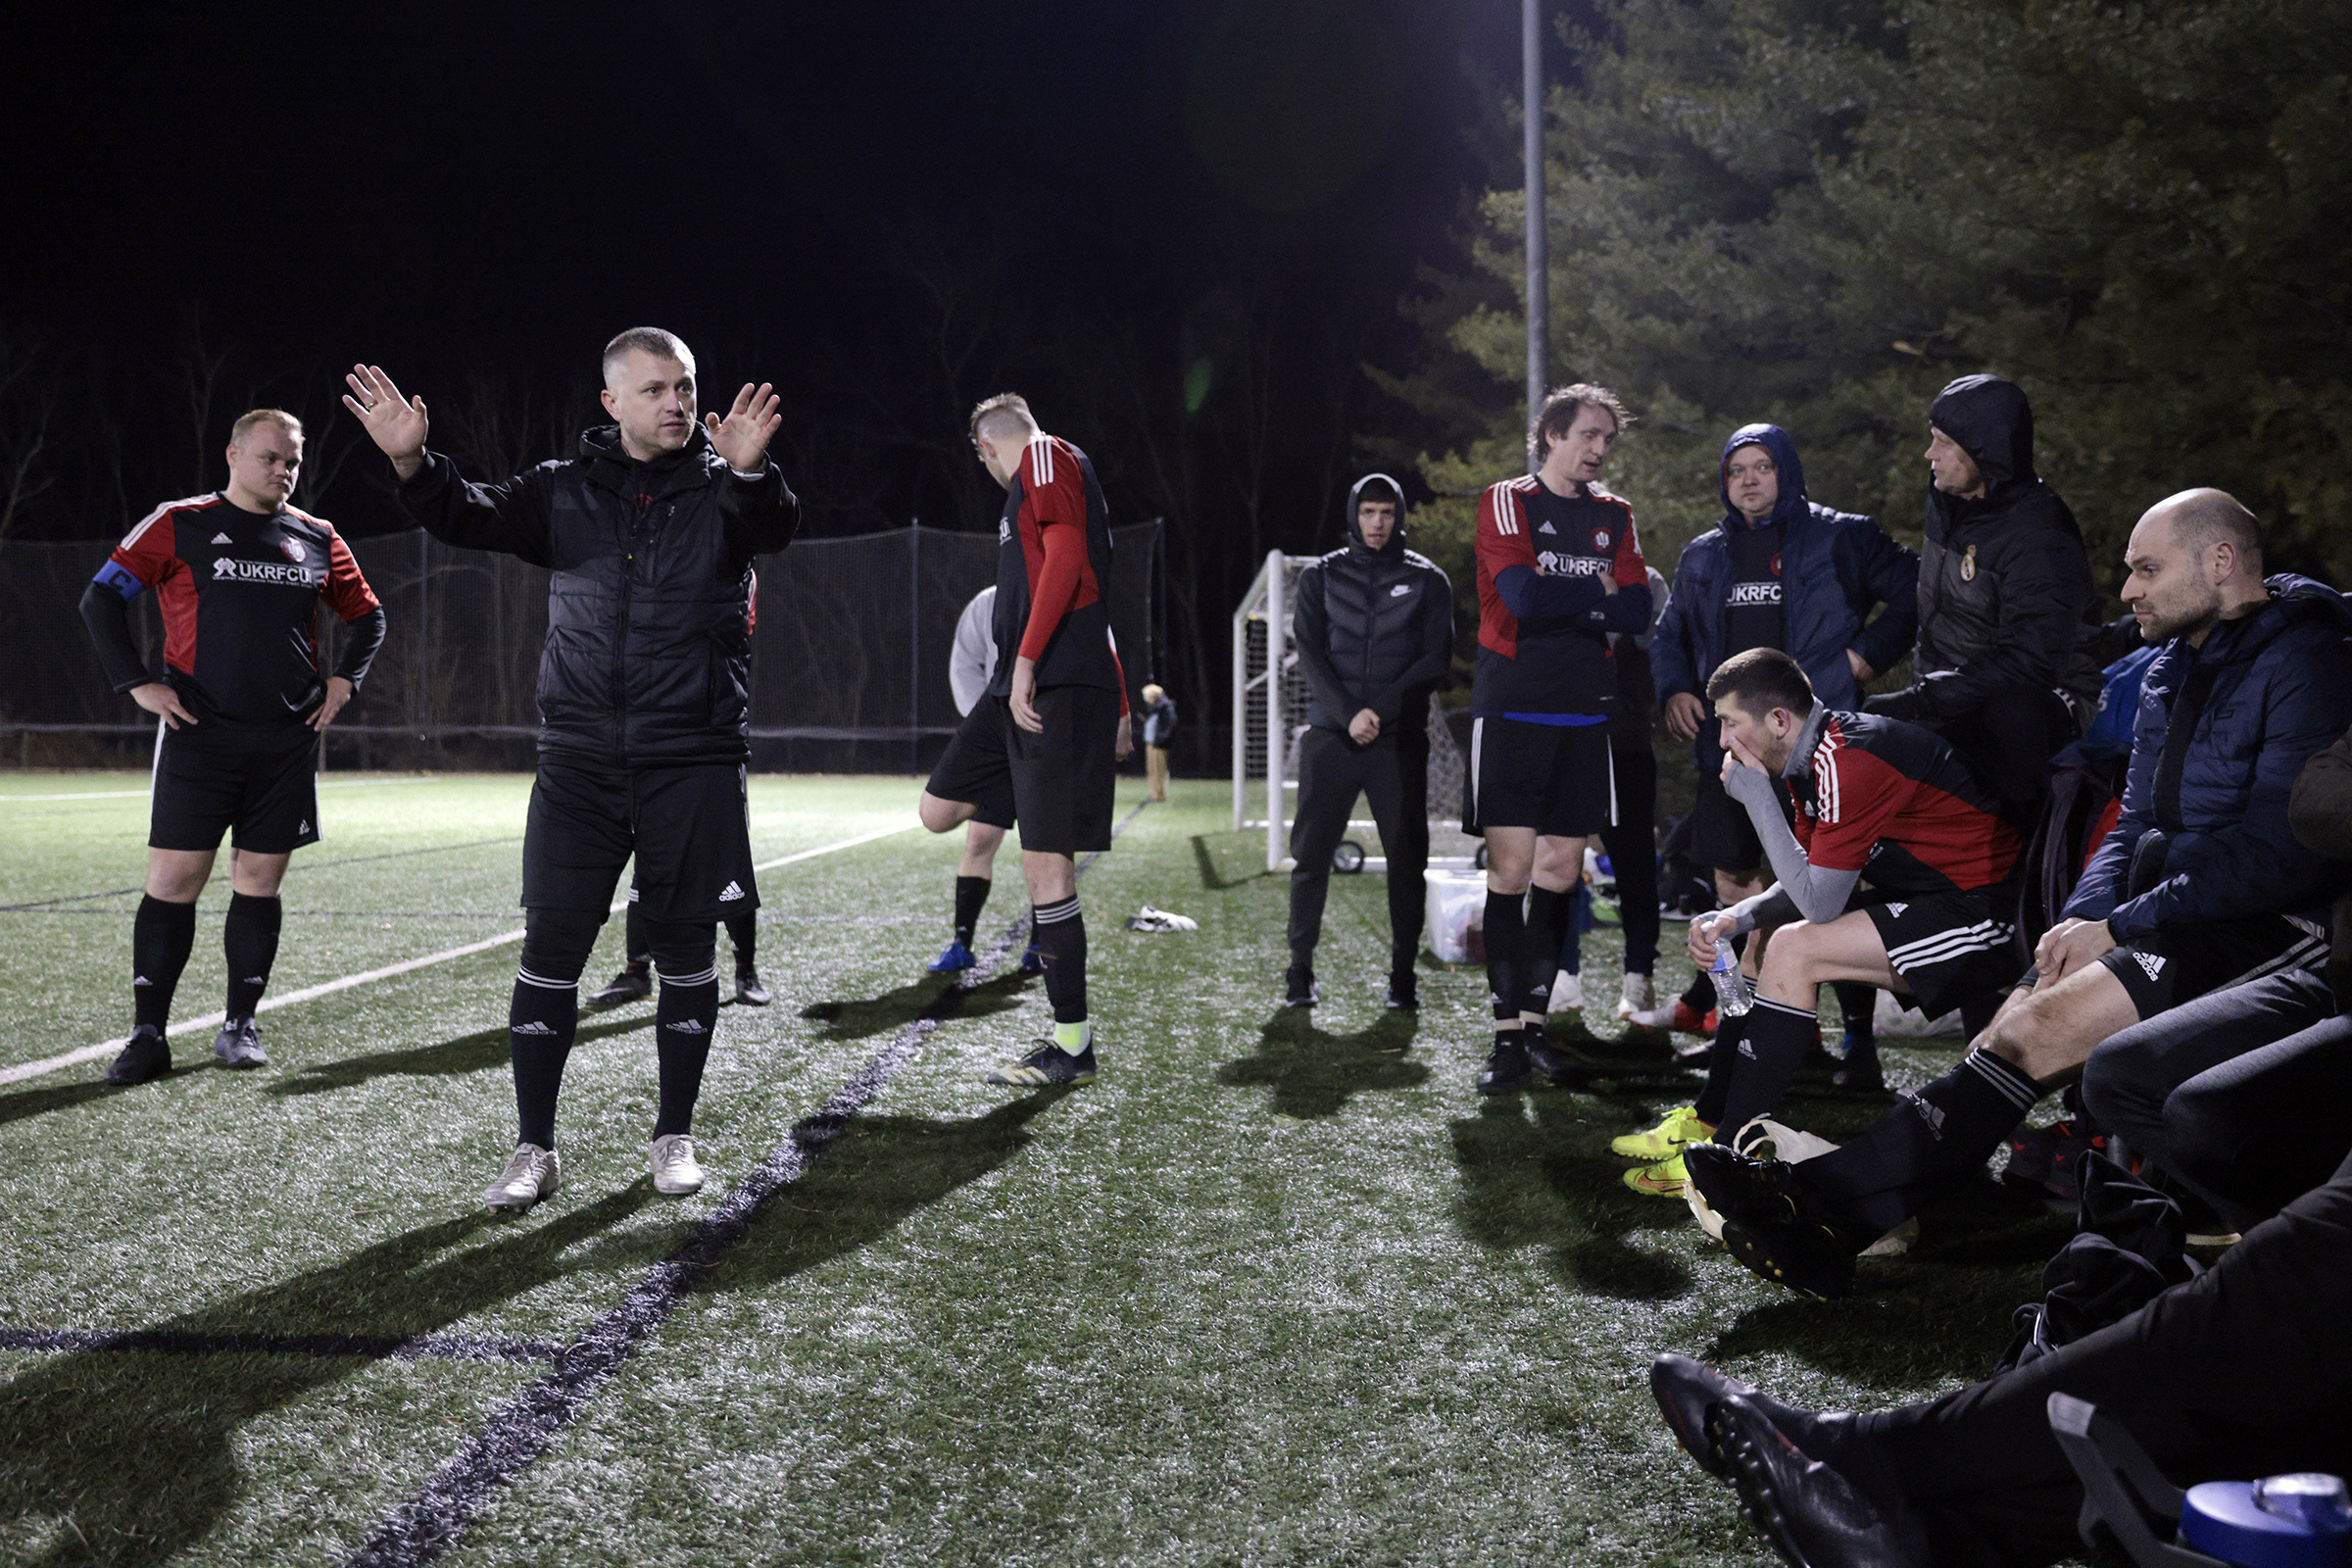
502, 188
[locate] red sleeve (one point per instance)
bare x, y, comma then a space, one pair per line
1057, 586
149, 552
1503, 541
346, 589
1856, 796
1632, 572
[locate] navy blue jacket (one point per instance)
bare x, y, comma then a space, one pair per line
2282, 695
1836, 568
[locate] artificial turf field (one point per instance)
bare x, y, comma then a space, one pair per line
1279, 1288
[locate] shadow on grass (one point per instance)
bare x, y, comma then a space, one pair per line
1313, 1073
892, 1011
1535, 1172
136, 1452
57, 1096
475, 1052
879, 1171
1212, 879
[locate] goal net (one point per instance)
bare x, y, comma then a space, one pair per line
1269, 717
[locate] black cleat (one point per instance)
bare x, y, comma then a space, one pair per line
1755, 1191
1405, 990
1805, 1256
1506, 1072
1300, 987
1686, 1392
751, 991
633, 984
144, 1055
239, 1045
1045, 1068
1812, 1516
1033, 959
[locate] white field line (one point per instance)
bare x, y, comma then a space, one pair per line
213, 1020
140, 795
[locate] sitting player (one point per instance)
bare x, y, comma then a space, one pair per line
1865, 794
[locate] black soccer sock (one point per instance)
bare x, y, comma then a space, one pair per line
544, 1016
1721, 1056
1700, 995
1547, 916
971, 897
743, 934
637, 954
1944, 1130
162, 936
1775, 1043
683, 1019
1506, 945
1856, 1002
248, 937
1061, 936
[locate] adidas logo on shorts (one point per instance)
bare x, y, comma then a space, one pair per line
2152, 963
686, 1026
1934, 1114
730, 893
1747, 1051
534, 1027
223, 539
305, 826
1896, 910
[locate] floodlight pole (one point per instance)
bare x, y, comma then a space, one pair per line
1538, 326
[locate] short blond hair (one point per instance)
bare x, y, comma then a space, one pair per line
1005, 408
1154, 692
286, 422
656, 341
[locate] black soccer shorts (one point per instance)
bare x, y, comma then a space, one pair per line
2169, 967
1949, 948
258, 783
688, 825
1057, 785
1556, 778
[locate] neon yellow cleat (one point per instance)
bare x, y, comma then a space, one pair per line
1681, 1126
1666, 1179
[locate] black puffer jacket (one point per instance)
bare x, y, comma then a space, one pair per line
2005, 596
648, 656
1374, 628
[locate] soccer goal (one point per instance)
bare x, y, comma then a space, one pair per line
1269, 715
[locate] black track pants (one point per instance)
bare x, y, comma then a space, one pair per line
1392, 773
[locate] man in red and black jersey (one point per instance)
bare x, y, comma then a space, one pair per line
1039, 746
1838, 800
1560, 568
238, 575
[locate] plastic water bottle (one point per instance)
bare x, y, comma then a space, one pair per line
2293, 1521
1732, 997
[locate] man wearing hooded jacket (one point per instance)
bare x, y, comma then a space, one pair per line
2007, 612
1374, 629
644, 699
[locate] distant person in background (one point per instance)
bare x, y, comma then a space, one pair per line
970, 662
238, 575
1780, 570
1374, 630
2008, 640
1159, 728
635, 981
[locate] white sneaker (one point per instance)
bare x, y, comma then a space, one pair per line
670, 1159
532, 1174
1567, 992
1638, 999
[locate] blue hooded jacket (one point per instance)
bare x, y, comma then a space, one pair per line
1836, 568
2281, 694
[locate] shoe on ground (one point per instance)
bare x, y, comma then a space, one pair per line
1046, 1067
1507, 1069
954, 959
1685, 1391
1033, 961
1558, 1064
239, 1045
1678, 1127
144, 1055
1680, 1018
1637, 997
531, 1173
1665, 1179
1405, 990
751, 991
1804, 1255
634, 983
670, 1161
2048, 1159
1756, 1192
1812, 1516
1300, 988
1567, 992
1859, 1073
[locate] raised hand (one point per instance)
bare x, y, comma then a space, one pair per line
742, 436
394, 423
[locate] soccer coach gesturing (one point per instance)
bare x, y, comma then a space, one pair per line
647, 536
